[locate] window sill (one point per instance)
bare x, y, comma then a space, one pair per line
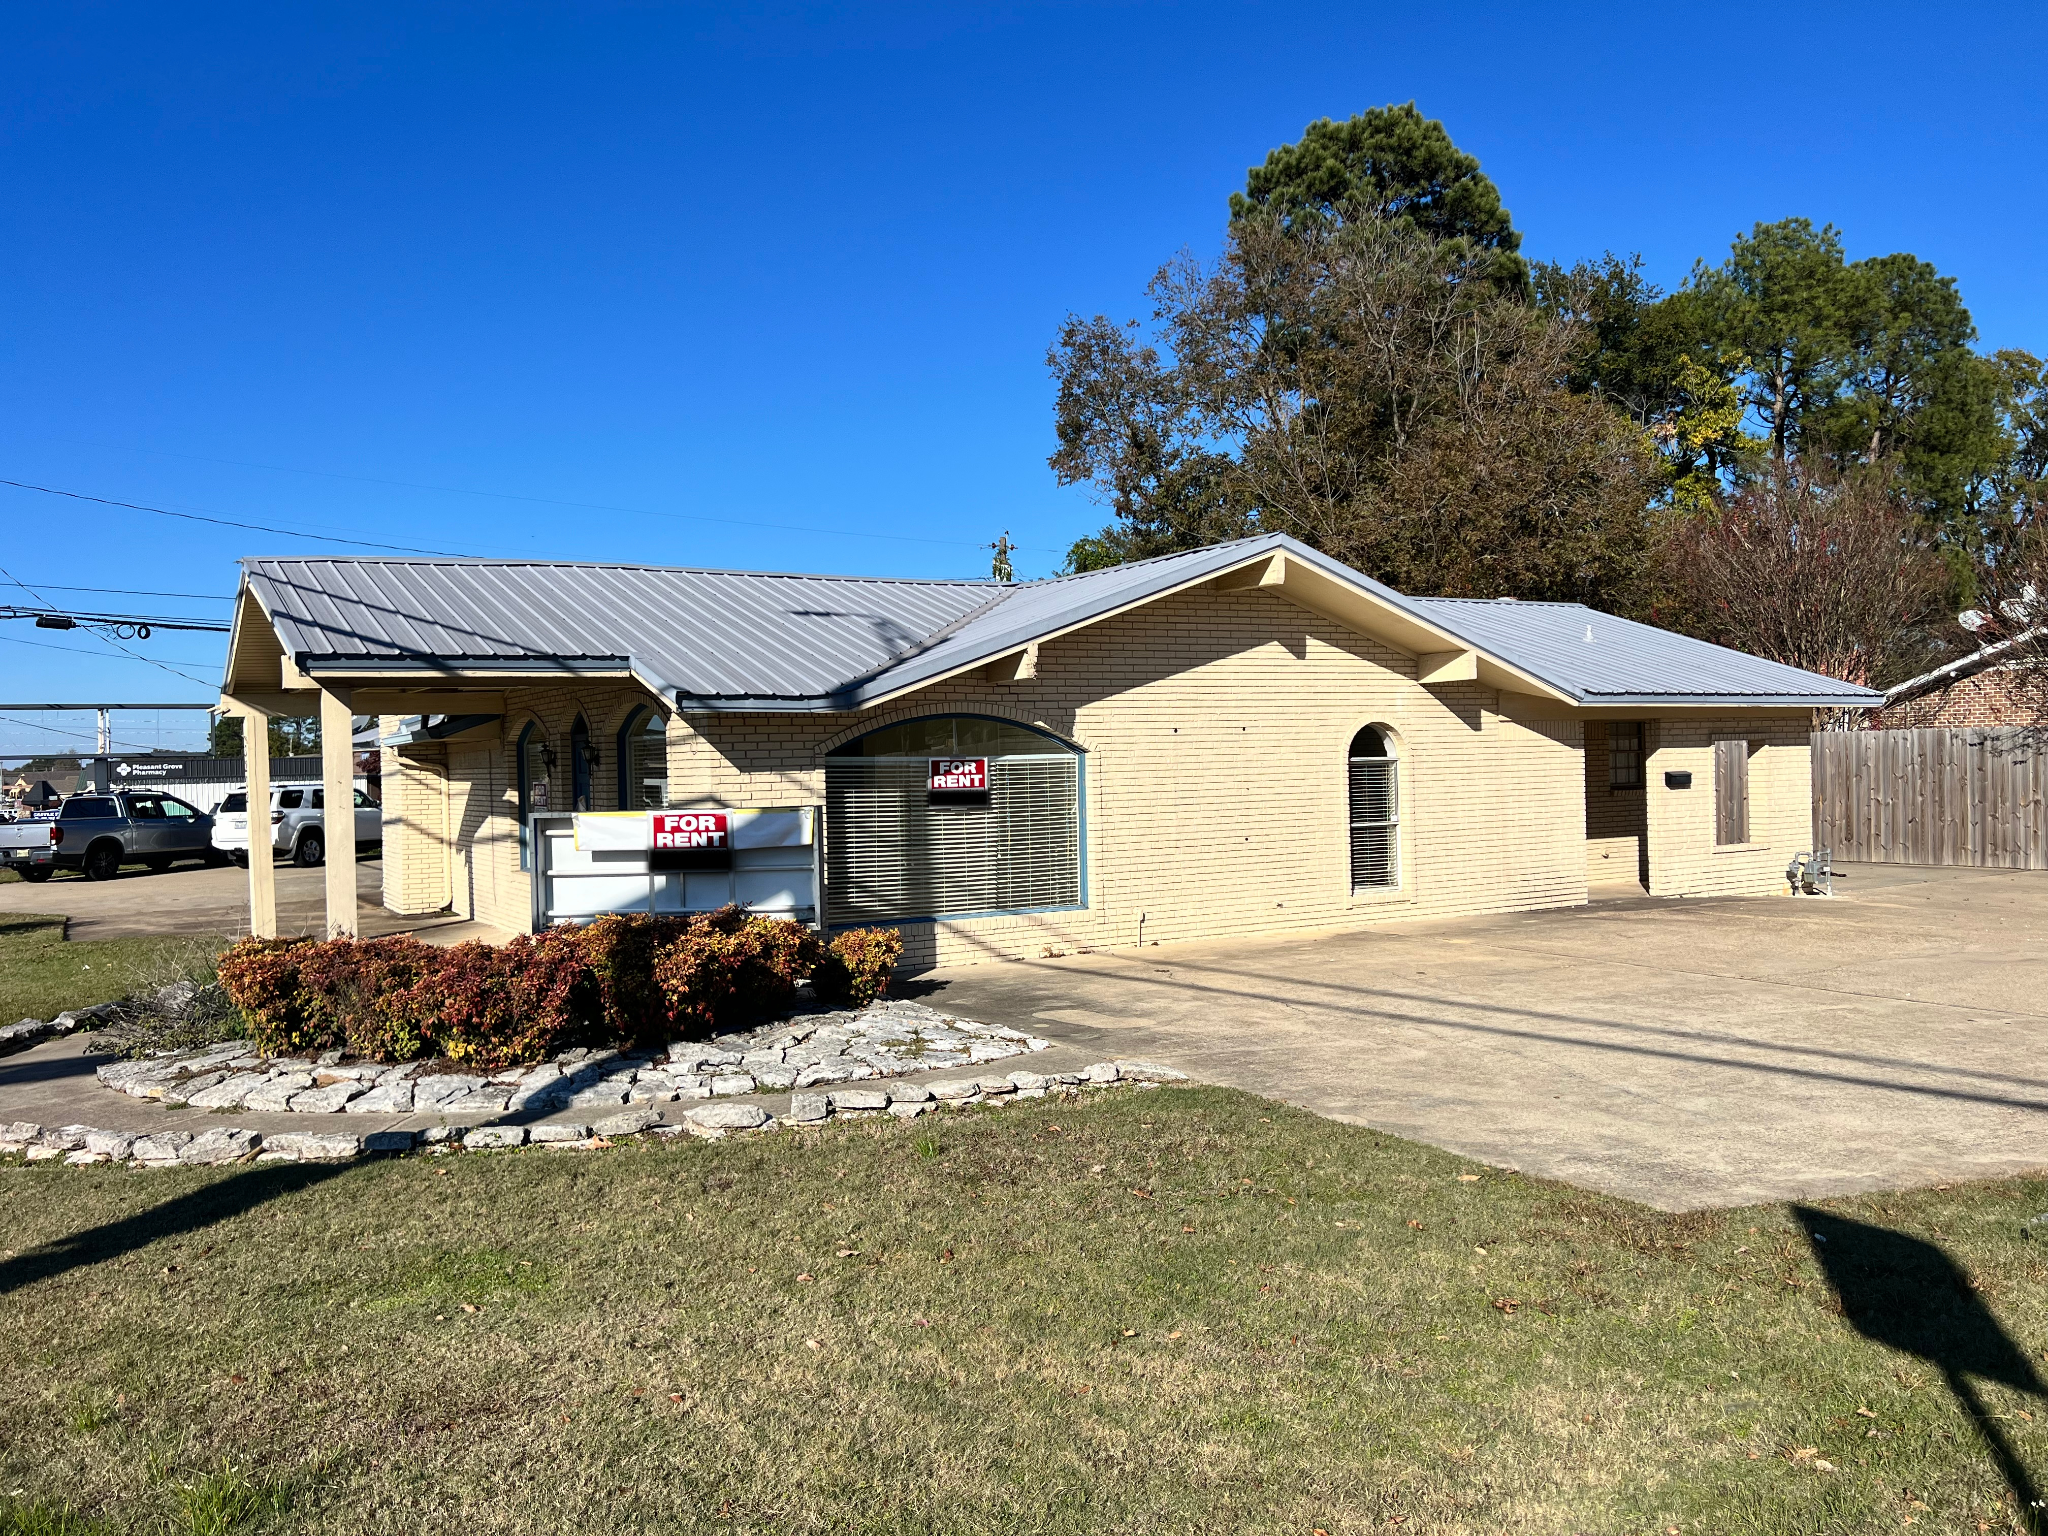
1394, 896
1742, 847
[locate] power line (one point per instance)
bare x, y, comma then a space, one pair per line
587, 506
204, 597
160, 666
223, 522
70, 618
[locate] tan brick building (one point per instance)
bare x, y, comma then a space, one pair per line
1239, 740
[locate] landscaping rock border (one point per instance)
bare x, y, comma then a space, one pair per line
883, 1040
19, 1037
82, 1145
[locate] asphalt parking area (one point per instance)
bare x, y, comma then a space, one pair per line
1684, 1054
197, 899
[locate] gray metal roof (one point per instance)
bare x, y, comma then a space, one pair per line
748, 640
1599, 659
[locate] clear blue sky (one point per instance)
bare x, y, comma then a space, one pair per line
337, 267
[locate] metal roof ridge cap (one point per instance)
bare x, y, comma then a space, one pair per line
630, 565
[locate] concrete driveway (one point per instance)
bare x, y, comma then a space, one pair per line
1684, 1054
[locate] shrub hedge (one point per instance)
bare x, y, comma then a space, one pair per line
621, 980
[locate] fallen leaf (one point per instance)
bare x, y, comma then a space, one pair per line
1187, 1229
800, 1279
1468, 1178
1865, 1413
811, 1344
674, 1397
467, 1307
1142, 1194
1823, 1466
946, 1257
1130, 1333
1505, 1304
1415, 1224
1479, 1250
848, 1253
1175, 1334
238, 1378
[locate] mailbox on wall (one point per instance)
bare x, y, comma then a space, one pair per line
675, 861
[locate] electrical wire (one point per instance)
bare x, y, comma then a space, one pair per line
57, 730
204, 597
104, 640
222, 522
586, 506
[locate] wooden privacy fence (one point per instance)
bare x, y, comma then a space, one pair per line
1933, 797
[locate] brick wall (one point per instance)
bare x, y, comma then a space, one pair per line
2001, 696
1215, 727
1684, 860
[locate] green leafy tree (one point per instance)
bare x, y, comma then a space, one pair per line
1392, 163
1784, 301
1372, 392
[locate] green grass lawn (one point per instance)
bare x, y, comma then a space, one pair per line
1183, 1310
42, 974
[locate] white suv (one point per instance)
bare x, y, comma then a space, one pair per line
297, 815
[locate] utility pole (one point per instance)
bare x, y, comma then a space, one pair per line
106, 737
1001, 569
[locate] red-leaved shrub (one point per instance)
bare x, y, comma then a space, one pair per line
730, 970
622, 980
856, 966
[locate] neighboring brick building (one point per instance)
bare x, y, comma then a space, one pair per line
1240, 740
2002, 684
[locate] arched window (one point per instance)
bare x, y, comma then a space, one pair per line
581, 761
1375, 812
911, 834
525, 770
643, 761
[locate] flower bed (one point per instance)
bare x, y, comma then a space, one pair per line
621, 981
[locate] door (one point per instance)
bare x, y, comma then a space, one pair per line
147, 838
185, 830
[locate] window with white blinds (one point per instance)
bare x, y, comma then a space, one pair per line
1375, 812
890, 856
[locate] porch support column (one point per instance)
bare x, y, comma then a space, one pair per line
262, 867
338, 820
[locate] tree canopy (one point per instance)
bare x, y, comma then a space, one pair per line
1391, 163
1373, 367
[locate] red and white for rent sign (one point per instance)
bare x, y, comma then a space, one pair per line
690, 829
969, 773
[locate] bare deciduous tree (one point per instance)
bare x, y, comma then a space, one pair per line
1832, 575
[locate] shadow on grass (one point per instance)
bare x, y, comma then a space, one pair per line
219, 1201
1909, 1295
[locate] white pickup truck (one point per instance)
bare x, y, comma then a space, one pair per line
298, 814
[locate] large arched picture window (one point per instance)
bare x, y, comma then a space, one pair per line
643, 761
1375, 812
897, 852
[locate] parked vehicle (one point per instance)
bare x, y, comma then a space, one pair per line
297, 823
100, 833
28, 846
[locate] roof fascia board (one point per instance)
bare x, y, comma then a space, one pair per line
1024, 635
249, 611
1364, 611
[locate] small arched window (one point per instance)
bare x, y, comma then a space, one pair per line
525, 765
1375, 812
581, 761
643, 761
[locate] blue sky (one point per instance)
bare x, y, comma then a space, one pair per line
772, 286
